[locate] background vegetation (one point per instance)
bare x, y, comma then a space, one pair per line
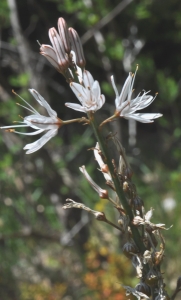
47, 253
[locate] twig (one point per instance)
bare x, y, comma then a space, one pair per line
104, 21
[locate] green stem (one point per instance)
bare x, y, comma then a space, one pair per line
119, 191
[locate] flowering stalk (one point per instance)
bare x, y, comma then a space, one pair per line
66, 55
119, 191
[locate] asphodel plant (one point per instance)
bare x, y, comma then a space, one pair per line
144, 244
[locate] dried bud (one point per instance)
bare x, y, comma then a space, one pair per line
129, 249
76, 46
158, 255
147, 257
100, 216
105, 168
125, 186
143, 288
64, 34
102, 193
123, 221
137, 221
105, 171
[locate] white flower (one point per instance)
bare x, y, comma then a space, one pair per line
88, 93
38, 122
126, 107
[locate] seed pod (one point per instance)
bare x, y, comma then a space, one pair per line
128, 172
138, 203
152, 278
143, 288
129, 249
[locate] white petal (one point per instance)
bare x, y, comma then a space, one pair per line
75, 106
149, 215
125, 91
114, 87
141, 102
88, 79
80, 92
31, 133
101, 101
41, 142
42, 122
43, 102
143, 118
96, 89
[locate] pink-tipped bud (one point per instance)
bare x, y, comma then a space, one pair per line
64, 34
50, 54
77, 47
58, 47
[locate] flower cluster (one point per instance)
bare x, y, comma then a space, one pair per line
38, 122
63, 41
66, 55
126, 107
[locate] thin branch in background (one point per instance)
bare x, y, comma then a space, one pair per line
24, 49
104, 21
67, 237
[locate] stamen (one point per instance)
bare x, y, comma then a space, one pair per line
33, 110
27, 108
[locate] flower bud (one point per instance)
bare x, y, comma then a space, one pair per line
64, 34
76, 46
58, 47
